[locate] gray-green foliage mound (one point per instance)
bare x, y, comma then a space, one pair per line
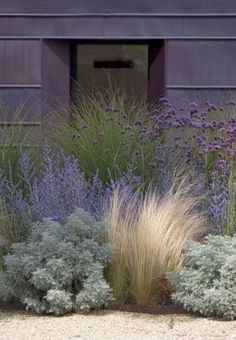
59, 268
207, 282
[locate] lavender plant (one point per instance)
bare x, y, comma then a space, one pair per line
55, 192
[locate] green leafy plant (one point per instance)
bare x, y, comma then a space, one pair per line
59, 268
150, 235
207, 282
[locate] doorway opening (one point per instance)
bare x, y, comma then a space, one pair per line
136, 67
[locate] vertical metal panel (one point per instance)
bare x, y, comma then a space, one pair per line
156, 70
201, 63
56, 72
20, 62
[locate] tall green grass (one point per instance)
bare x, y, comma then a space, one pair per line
102, 132
15, 139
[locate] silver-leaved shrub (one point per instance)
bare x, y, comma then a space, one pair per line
206, 284
59, 268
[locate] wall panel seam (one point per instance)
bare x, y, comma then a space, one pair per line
127, 37
122, 15
186, 87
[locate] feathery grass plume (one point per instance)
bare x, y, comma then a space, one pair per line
121, 219
150, 239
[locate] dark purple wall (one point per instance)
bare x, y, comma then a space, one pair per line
56, 73
197, 62
114, 6
118, 27
20, 77
20, 62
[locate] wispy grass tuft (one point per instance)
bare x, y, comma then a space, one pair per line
15, 138
102, 131
150, 240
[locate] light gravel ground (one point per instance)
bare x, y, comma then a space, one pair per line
112, 326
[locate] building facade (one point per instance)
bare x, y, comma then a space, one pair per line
183, 49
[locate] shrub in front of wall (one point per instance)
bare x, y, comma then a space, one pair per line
59, 268
207, 282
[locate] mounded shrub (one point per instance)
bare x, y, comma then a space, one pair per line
59, 268
207, 282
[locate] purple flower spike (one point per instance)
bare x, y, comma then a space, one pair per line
163, 101
194, 105
111, 109
84, 126
213, 107
231, 102
171, 111
56, 218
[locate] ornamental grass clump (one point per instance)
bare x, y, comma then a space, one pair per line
206, 283
104, 132
150, 234
15, 138
59, 268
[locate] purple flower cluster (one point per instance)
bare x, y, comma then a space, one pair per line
196, 138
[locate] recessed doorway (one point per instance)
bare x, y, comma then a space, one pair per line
134, 67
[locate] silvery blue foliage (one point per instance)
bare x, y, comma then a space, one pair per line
218, 205
207, 282
55, 191
59, 268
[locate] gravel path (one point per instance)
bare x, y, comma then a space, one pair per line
112, 326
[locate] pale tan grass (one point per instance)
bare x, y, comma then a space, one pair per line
118, 233
151, 241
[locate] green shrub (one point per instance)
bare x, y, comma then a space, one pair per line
59, 268
207, 282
